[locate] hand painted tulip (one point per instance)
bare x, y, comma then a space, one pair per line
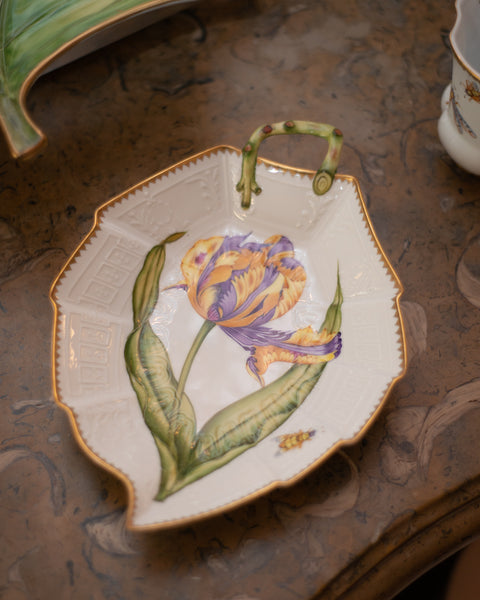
240, 286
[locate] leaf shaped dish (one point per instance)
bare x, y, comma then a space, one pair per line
38, 35
210, 346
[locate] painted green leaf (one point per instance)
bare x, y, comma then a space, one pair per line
170, 418
243, 424
333, 318
250, 419
145, 292
31, 32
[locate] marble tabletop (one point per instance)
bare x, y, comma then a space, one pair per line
377, 513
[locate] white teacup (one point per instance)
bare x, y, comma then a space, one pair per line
459, 125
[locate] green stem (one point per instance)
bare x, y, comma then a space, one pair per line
187, 365
324, 176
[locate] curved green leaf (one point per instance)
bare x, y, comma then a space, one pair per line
224, 438
145, 291
250, 419
170, 418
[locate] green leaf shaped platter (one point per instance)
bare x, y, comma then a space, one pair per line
211, 343
39, 35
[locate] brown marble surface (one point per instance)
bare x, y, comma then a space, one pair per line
378, 512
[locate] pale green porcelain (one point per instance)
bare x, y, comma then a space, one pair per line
35, 34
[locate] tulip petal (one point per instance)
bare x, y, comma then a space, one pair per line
238, 283
304, 346
279, 244
257, 292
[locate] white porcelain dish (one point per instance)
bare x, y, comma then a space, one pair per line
93, 319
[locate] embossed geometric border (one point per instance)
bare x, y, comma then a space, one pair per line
95, 346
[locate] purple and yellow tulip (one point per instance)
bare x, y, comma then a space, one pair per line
240, 286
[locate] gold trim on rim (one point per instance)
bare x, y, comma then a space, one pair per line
275, 484
461, 61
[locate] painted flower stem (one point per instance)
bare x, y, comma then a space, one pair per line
204, 330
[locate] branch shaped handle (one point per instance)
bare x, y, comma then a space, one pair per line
324, 176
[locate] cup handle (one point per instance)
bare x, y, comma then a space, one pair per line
323, 179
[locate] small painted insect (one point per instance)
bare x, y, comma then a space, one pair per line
472, 90
288, 441
462, 125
